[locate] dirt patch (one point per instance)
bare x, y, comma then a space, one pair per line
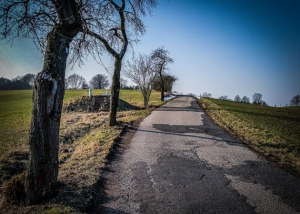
95, 104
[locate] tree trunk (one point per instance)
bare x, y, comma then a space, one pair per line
48, 94
115, 92
47, 104
146, 95
162, 91
145, 102
48, 97
144, 92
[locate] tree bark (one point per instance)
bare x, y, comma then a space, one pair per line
115, 92
146, 95
162, 90
145, 101
48, 94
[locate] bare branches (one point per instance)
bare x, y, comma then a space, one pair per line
99, 81
161, 57
140, 71
74, 81
26, 18
115, 24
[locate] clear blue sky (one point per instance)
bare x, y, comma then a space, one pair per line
223, 47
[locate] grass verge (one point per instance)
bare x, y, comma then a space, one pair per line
85, 143
272, 132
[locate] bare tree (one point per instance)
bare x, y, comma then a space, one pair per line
161, 58
123, 83
61, 20
205, 94
99, 81
140, 71
124, 20
295, 101
75, 81
224, 97
245, 99
29, 79
237, 98
257, 99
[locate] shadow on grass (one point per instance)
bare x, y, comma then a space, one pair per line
14, 164
125, 106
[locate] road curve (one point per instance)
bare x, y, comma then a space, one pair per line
178, 161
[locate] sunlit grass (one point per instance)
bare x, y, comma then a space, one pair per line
273, 132
135, 97
16, 107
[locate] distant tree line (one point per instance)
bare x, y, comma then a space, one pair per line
74, 81
18, 83
99, 81
256, 99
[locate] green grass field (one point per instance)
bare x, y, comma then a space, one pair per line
273, 132
16, 106
15, 115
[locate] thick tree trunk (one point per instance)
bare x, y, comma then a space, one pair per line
47, 105
115, 92
48, 94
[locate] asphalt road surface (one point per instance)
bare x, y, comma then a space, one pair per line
178, 161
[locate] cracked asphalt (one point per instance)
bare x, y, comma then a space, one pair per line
178, 161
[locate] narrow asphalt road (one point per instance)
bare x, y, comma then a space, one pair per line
178, 161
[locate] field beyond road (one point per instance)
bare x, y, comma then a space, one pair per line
270, 131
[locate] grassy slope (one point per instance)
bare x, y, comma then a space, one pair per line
273, 132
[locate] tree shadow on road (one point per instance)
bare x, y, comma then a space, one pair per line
192, 107
230, 142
